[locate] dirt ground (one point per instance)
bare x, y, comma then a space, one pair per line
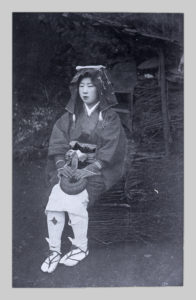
149, 252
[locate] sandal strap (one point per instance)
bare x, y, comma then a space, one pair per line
51, 260
72, 254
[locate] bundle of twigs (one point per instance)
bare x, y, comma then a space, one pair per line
147, 116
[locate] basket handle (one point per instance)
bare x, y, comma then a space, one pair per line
74, 161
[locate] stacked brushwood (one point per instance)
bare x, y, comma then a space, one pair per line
148, 121
176, 115
148, 125
148, 131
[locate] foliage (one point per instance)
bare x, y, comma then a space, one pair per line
32, 131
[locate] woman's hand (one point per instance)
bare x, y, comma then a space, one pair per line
80, 173
65, 171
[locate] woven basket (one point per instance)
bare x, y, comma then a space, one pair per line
72, 187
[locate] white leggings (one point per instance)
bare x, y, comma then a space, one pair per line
56, 223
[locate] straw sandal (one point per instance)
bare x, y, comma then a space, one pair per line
51, 262
73, 257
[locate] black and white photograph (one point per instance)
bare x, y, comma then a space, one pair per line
97, 149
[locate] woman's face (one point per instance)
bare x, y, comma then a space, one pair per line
88, 91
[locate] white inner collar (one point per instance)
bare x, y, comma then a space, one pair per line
90, 110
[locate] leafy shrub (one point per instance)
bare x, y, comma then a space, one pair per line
31, 130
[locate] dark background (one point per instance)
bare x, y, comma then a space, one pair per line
136, 230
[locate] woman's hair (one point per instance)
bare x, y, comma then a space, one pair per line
88, 75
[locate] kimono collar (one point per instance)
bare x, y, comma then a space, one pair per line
92, 109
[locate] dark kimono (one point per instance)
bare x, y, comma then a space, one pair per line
101, 130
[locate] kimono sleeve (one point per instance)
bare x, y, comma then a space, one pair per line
59, 140
113, 141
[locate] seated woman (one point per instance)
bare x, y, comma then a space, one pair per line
93, 132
